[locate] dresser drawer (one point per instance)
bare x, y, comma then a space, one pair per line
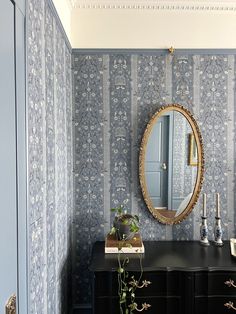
213, 283
162, 284
160, 305
186, 277
213, 305
106, 284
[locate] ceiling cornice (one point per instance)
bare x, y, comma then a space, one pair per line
179, 5
70, 3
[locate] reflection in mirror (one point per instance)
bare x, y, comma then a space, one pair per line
192, 150
170, 149
170, 180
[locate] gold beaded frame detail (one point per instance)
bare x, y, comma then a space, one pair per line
200, 165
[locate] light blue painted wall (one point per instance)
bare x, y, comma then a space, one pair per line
20, 5
8, 157
21, 158
13, 155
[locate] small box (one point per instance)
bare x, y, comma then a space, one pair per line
135, 245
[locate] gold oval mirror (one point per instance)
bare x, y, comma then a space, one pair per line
171, 164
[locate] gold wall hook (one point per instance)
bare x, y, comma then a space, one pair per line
171, 50
11, 305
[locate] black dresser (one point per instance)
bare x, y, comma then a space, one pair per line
186, 277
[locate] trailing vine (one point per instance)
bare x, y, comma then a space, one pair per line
127, 285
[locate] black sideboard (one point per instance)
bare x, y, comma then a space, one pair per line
186, 277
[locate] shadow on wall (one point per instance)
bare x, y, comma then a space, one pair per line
65, 280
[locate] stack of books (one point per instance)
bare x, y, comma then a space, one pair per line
113, 245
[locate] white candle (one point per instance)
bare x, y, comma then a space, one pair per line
204, 205
217, 205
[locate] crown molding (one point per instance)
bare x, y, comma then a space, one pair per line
71, 4
178, 5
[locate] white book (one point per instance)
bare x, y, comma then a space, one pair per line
125, 250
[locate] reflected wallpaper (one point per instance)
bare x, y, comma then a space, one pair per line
184, 175
114, 96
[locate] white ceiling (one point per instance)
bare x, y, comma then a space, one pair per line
205, 24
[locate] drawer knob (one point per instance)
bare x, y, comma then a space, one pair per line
134, 307
134, 283
230, 283
230, 305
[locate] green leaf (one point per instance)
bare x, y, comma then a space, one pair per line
125, 222
133, 306
113, 230
120, 270
128, 245
113, 209
127, 311
134, 228
119, 210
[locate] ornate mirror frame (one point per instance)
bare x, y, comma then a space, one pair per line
200, 166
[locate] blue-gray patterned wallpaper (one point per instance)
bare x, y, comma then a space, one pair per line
50, 181
114, 96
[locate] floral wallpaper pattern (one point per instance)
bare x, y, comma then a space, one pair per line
120, 139
182, 92
151, 93
115, 94
50, 155
184, 176
213, 72
88, 165
49, 160
36, 198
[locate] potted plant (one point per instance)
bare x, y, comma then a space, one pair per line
125, 228
125, 225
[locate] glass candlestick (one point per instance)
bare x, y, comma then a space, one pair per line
218, 232
204, 232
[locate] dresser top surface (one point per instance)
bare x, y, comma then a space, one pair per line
169, 256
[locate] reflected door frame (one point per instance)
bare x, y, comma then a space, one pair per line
156, 166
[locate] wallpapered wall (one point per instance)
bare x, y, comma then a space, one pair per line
49, 160
114, 97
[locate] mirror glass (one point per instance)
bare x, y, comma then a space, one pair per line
171, 164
